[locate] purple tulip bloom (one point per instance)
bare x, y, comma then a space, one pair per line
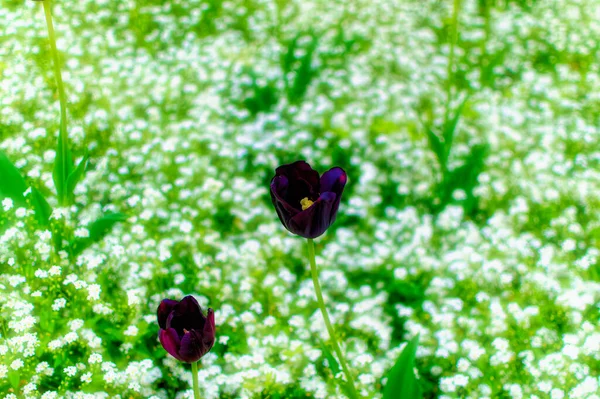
306, 203
184, 331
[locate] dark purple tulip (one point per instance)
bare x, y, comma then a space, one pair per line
184, 331
306, 203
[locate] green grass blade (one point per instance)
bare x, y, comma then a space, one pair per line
40, 206
63, 165
437, 146
450, 128
75, 177
401, 380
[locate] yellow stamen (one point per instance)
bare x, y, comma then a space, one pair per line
305, 203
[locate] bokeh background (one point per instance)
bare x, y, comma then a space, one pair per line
470, 134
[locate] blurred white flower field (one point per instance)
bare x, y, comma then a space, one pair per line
470, 216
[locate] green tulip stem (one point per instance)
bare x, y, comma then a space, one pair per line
195, 380
453, 43
62, 98
332, 335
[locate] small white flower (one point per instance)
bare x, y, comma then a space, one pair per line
223, 339
75, 324
95, 358
44, 368
59, 304
29, 388
16, 364
55, 344
82, 232
134, 386
71, 337
39, 273
131, 331
7, 204
94, 291
185, 226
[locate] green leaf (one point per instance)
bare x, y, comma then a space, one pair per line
466, 176
98, 230
75, 177
438, 147
14, 378
450, 128
302, 66
40, 206
331, 361
63, 166
401, 380
12, 184
305, 73
335, 369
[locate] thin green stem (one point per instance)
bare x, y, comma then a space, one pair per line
195, 380
332, 334
62, 98
453, 42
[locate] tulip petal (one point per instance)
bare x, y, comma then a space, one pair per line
334, 180
279, 186
186, 315
192, 348
169, 339
165, 307
314, 221
208, 333
303, 182
299, 170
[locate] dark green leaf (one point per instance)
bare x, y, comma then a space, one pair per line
438, 147
12, 184
98, 230
75, 177
289, 58
401, 380
40, 206
305, 73
466, 176
63, 166
450, 128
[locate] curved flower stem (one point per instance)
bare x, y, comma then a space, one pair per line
195, 380
332, 335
